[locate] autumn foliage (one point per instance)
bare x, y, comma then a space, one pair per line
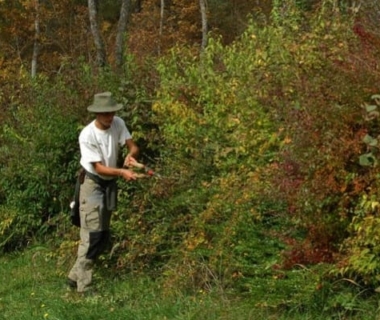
257, 139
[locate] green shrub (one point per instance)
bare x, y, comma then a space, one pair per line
316, 94
267, 126
39, 156
217, 141
361, 248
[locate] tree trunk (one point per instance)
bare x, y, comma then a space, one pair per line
138, 6
122, 26
162, 10
36, 39
202, 4
99, 44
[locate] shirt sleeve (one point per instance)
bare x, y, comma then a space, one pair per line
89, 149
90, 153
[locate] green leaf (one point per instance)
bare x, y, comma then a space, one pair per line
370, 108
367, 160
370, 141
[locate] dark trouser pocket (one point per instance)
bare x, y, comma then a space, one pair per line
98, 242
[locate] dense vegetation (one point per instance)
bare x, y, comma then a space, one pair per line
266, 146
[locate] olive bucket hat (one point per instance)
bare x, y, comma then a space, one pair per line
103, 102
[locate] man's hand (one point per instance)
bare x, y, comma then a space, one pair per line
128, 174
132, 162
129, 161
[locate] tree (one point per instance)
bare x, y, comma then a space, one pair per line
99, 44
36, 39
161, 23
202, 4
122, 25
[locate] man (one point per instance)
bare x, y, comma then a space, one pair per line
99, 145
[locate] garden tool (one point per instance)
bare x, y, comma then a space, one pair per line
149, 172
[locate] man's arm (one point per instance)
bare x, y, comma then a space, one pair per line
133, 151
108, 171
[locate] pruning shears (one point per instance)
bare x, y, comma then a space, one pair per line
148, 172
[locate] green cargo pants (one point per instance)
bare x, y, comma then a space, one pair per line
94, 233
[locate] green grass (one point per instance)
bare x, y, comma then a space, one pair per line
33, 287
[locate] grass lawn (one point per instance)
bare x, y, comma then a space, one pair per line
33, 287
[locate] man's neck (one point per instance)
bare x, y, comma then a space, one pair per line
100, 126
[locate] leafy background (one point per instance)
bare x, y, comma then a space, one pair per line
257, 140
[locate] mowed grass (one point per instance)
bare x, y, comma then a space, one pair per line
33, 286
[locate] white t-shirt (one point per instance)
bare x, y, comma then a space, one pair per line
102, 145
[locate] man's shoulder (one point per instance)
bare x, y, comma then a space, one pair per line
87, 131
119, 121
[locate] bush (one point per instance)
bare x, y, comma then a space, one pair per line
268, 126
217, 142
39, 156
318, 85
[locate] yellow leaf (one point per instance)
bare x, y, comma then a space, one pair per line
374, 205
287, 140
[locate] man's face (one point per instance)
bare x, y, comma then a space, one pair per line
105, 119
